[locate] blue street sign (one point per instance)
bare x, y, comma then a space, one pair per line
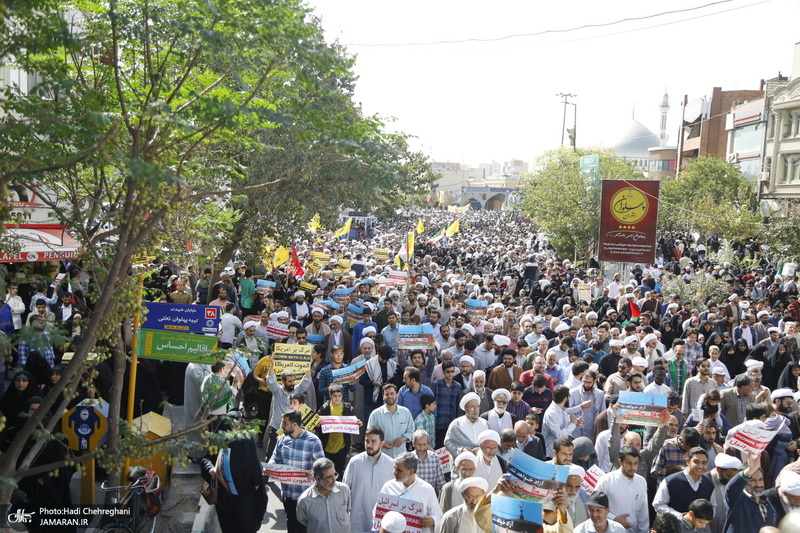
186, 318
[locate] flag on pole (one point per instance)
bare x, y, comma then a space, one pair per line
453, 228
406, 253
295, 267
635, 312
345, 229
280, 257
439, 236
420, 227
314, 225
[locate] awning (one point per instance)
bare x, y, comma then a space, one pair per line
45, 244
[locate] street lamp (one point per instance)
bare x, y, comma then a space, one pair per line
571, 132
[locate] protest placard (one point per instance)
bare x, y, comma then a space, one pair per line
295, 357
416, 337
444, 459
238, 367
291, 475
276, 330
341, 296
264, 287
309, 419
381, 253
641, 408
315, 339
349, 374
182, 347
591, 478
534, 480
320, 258
308, 287
329, 306
584, 292
398, 277
186, 318
750, 437
476, 308
413, 511
512, 514
340, 424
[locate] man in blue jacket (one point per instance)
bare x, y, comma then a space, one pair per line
748, 509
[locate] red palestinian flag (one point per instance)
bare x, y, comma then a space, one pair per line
295, 267
635, 312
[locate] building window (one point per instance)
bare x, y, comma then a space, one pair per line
785, 169
795, 169
789, 127
771, 130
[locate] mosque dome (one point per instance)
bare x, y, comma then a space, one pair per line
636, 140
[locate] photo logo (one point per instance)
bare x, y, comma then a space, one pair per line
20, 517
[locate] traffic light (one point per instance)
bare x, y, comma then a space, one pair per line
571, 135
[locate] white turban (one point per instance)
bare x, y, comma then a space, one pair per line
298, 294
337, 319
468, 398
467, 359
725, 461
561, 327
469, 482
465, 456
639, 361
575, 470
489, 434
250, 324
468, 327
393, 522
615, 342
501, 392
790, 483
367, 330
649, 337
281, 314
366, 340
502, 340
752, 364
629, 339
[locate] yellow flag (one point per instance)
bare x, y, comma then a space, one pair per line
280, 257
420, 227
453, 228
345, 229
314, 225
410, 246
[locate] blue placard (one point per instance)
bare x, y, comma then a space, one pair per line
512, 514
186, 318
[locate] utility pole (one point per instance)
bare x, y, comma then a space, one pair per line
564, 120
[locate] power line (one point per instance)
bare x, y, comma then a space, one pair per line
543, 32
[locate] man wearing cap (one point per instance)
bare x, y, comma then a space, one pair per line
464, 431
489, 466
358, 329
461, 519
503, 375
698, 385
252, 340
479, 387
464, 466
748, 510
598, 522
365, 474
726, 466
731, 311
226, 283
392, 522
407, 485
317, 326
786, 497
609, 363
498, 418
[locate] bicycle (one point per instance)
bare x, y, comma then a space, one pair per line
142, 496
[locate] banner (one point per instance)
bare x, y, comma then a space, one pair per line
534, 480
591, 478
341, 296
399, 277
513, 515
276, 330
628, 219
354, 313
456, 209
292, 356
381, 253
750, 437
444, 459
291, 475
237, 366
264, 287
181, 347
313, 340
584, 292
476, 308
340, 424
187, 318
309, 419
320, 258
413, 511
349, 374
308, 287
329, 306
415, 337
641, 408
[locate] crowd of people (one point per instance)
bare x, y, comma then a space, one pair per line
536, 367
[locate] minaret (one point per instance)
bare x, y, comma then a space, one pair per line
664, 108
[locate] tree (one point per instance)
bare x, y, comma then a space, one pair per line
710, 196
563, 204
147, 107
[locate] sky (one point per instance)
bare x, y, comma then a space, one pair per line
480, 100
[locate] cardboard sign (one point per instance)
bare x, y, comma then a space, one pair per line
292, 356
476, 308
308, 287
413, 511
276, 330
185, 318
398, 277
444, 459
181, 347
534, 480
313, 339
340, 424
341, 296
354, 313
381, 253
511, 514
416, 337
329, 306
321, 258
584, 292
591, 478
349, 374
641, 408
750, 437
291, 475
309, 419
265, 287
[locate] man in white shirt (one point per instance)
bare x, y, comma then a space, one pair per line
407, 485
627, 493
557, 422
366, 473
